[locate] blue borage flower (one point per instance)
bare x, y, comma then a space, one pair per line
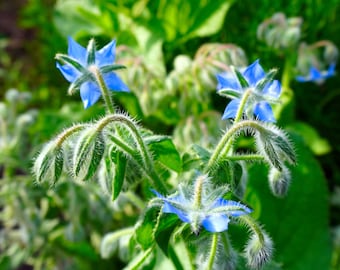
211, 211
77, 67
317, 76
264, 90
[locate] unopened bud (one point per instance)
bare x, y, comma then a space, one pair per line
331, 53
88, 153
182, 63
258, 251
49, 164
279, 181
12, 95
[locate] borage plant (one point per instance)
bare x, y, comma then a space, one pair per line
183, 204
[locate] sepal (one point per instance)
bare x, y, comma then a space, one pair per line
242, 80
70, 61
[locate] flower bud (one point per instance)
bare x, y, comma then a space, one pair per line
27, 118
49, 164
258, 251
12, 95
88, 153
182, 63
331, 53
279, 181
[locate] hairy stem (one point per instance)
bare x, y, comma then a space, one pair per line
212, 251
103, 88
223, 147
146, 158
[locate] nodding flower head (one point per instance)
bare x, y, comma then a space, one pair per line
263, 91
316, 75
80, 65
199, 204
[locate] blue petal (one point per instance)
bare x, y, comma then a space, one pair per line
89, 93
331, 70
216, 223
228, 80
302, 79
76, 51
264, 112
272, 89
254, 73
114, 83
231, 109
315, 74
69, 72
106, 55
241, 211
169, 208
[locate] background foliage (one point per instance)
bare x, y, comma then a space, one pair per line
161, 43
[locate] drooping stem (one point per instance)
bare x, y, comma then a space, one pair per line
226, 142
146, 158
254, 227
103, 88
213, 250
67, 133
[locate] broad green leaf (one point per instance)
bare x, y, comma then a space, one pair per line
165, 152
144, 232
164, 230
317, 144
298, 223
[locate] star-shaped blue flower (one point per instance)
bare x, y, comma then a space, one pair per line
213, 212
77, 70
264, 91
315, 75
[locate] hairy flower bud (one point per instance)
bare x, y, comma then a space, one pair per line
279, 181
49, 164
88, 153
258, 251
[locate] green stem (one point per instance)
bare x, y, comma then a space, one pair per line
67, 133
212, 251
254, 227
286, 76
103, 88
225, 143
243, 103
250, 157
147, 161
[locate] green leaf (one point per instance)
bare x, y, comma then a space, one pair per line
120, 168
144, 232
164, 231
165, 152
317, 144
298, 223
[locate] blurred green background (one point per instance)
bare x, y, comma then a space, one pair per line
151, 35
